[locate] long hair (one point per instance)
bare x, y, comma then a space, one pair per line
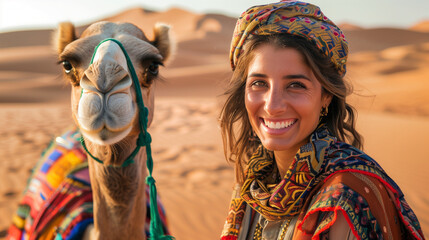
234, 121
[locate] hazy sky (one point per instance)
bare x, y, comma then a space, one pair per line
24, 14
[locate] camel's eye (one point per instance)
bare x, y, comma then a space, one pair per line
150, 72
154, 68
67, 66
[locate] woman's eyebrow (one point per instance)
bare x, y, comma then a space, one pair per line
297, 76
257, 75
288, 77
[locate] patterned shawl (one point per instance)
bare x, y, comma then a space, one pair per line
296, 18
285, 199
316, 161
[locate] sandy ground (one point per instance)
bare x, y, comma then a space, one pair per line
389, 74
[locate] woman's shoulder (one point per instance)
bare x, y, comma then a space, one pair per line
362, 200
354, 185
340, 150
341, 156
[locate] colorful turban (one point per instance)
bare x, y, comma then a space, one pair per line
296, 18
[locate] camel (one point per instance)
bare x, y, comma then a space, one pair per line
104, 108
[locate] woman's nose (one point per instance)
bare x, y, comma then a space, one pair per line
275, 102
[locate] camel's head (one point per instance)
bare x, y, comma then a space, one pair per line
103, 94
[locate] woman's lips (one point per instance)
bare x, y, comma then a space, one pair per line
278, 124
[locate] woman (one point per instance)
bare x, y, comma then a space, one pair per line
287, 126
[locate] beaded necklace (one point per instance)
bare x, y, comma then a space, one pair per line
258, 230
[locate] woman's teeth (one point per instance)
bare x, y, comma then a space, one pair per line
279, 125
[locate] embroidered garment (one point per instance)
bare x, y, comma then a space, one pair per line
57, 202
296, 18
371, 214
314, 163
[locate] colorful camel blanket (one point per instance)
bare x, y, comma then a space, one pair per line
57, 202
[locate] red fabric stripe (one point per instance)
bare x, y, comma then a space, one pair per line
365, 173
229, 238
14, 233
329, 209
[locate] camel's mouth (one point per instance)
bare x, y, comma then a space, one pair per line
105, 136
106, 121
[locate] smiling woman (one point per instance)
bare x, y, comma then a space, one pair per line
286, 124
283, 99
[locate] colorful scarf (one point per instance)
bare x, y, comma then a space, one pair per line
316, 161
285, 199
296, 18
57, 202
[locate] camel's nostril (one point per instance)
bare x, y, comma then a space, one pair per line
104, 76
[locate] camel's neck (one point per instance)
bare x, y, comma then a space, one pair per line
119, 197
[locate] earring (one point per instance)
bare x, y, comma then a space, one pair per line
324, 112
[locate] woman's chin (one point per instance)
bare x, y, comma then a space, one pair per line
279, 145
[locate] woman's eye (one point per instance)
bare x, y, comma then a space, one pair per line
154, 68
67, 66
258, 83
297, 85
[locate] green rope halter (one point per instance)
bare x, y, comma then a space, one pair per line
144, 139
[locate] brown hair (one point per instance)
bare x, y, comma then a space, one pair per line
234, 122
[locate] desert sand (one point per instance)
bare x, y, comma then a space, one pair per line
388, 68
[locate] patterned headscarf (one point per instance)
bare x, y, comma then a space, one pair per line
296, 18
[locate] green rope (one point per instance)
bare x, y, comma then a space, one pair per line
144, 139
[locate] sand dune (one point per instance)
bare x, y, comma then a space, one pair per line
422, 26
387, 66
187, 25
345, 26
377, 39
394, 80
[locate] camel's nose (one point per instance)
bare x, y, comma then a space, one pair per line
108, 70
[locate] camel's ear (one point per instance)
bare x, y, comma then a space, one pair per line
163, 40
65, 34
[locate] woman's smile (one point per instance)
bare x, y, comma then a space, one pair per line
277, 126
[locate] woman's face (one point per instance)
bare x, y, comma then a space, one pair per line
283, 98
